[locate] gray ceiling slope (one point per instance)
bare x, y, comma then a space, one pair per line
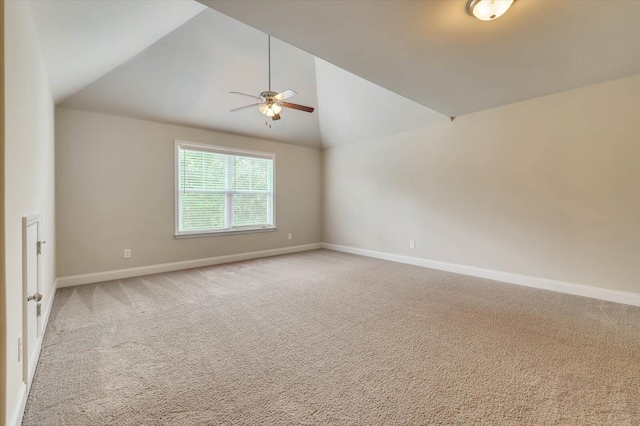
83, 40
435, 54
354, 109
185, 78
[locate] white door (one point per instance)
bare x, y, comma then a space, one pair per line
31, 264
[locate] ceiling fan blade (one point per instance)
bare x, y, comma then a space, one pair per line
245, 94
246, 107
276, 117
285, 95
298, 107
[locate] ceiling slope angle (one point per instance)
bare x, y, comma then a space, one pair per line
436, 54
354, 109
185, 78
83, 40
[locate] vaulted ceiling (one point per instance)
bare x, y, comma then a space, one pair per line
186, 77
370, 68
434, 53
83, 40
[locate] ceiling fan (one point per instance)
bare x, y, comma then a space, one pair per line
271, 103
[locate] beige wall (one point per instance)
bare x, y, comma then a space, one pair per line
549, 187
29, 173
115, 190
3, 303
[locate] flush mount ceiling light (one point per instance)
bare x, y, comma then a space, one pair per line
488, 10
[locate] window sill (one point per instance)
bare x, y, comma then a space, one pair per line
221, 233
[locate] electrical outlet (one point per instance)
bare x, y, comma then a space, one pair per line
290, 236
20, 348
127, 253
412, 244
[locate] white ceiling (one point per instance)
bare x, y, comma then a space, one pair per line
186, 76
83, 40
434, 53
354, 109
176, 61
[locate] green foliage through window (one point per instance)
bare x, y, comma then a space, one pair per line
218, 191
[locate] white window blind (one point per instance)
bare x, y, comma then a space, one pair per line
220, 190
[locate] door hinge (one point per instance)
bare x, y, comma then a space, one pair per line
39, 309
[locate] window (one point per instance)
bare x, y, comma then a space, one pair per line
220, 190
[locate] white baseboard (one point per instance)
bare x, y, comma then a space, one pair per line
507, 277
175, 266
16, 417
47, 313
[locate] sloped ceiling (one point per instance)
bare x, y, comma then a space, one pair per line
177, 61
434, 53
83, 40
186, 76
354, 109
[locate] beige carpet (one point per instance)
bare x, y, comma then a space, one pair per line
327, 338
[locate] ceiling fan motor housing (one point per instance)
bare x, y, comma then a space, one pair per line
268, 94
272, 102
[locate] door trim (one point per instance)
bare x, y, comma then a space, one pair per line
16, 417
29, 365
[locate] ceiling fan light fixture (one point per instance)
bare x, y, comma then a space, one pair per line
270, 109
271, 103
488, 10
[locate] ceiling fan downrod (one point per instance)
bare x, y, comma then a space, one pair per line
271, 103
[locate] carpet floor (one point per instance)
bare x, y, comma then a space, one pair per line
325, 338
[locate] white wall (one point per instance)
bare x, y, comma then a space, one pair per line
3, 302
115, 190
29, 172
547, 187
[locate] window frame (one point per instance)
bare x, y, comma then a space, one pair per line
227, 151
